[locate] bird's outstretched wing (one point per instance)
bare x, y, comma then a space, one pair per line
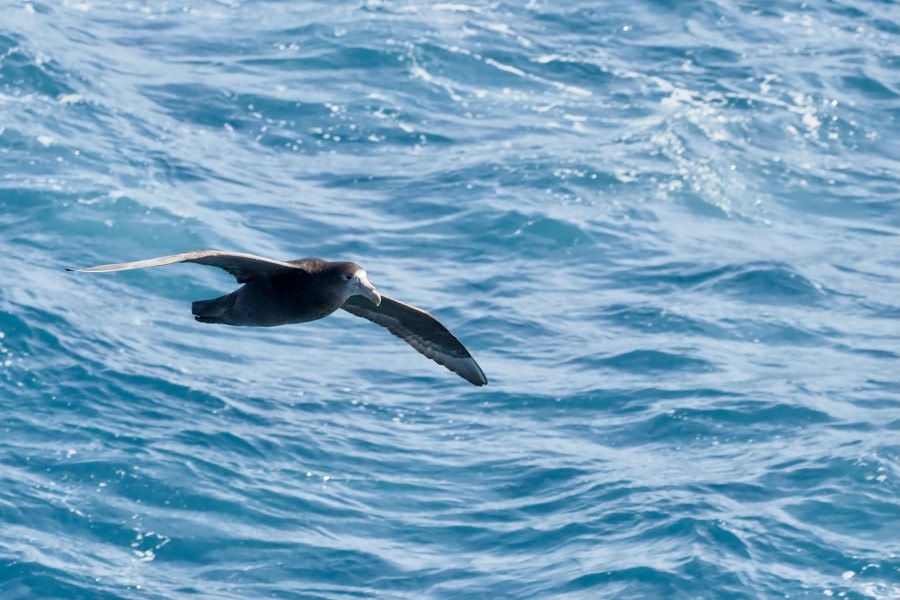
421, 331
244, 267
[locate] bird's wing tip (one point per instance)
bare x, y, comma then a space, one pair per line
471, 372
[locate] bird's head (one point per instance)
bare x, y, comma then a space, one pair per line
355, 282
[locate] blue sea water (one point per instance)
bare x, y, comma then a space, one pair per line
668, 231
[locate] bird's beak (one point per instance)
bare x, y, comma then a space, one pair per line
368, 290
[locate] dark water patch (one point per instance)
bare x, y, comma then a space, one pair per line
651, 319
208, 106
30, 332
576, 70
775, 333
153, 394
287, 123
360, 181
21, 72
670, 276
870, 88
873, 209
769, 283
758, 415
837, 516
709, 532
881, 311
877, 392
636, 581
97, 218
879, 277
327, 60
734, 423
178, 171
742, 492
610, 401
353, 565
811, 551
886, 25
811, 477
223, 442
876, 353
641, 361
27, 579
532, 235
669, 425
534, 481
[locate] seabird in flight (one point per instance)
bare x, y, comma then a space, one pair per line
281, 292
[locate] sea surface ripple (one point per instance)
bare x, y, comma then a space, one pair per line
668, 231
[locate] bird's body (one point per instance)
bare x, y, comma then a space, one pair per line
284, 292
295, 296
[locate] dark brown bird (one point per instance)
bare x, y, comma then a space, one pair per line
281, 292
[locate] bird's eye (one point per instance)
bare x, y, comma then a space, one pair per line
348, 276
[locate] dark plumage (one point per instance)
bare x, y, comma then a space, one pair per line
282, 292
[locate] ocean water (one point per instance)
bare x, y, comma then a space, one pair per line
668, 231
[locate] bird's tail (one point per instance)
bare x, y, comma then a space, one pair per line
211, 311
